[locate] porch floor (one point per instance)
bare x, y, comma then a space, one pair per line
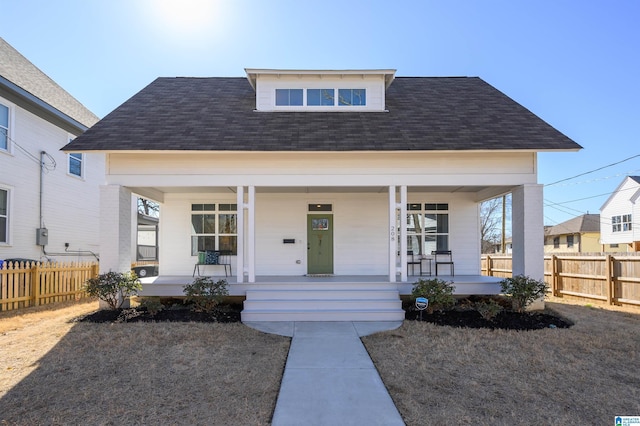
172, 285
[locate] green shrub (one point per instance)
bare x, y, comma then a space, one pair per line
489, 310
438, 292
152, 305
205, 294
113, 287
522, 291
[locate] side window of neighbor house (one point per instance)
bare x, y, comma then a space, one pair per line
4, 216
214, 227
4, 127
626, 222
616, 223
76, 164
427, 228
569, 241
556, 242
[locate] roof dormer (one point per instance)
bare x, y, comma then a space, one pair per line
320, 90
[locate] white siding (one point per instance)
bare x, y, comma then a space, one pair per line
70, 205
266, 86
620, 204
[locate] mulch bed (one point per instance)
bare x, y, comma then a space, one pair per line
463, 315
505, 320
223, 313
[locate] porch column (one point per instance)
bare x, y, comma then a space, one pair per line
251, 249
240, 238
115, 230
528, 233
393, 234
403, 233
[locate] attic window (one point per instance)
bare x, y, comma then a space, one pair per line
4, 127
320, 97
288, 97
352, 97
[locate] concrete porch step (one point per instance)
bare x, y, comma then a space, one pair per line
320, 304
322, 301
309, 294
323, 315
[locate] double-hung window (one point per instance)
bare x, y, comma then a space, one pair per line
427, 228
569, 241
214, 227
4, 127
4, 216
76, 163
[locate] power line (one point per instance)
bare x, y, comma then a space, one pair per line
593, 171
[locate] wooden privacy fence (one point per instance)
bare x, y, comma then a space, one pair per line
614, 279
38, 283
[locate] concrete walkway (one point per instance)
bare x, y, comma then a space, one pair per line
329, 378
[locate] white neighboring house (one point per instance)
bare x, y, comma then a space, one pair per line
49, 199
321, 178
619, 216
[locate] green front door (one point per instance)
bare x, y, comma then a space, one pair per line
320, 244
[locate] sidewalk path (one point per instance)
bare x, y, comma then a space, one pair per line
329, 378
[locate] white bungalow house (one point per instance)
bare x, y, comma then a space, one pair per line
617, 215
324, 186
49, 199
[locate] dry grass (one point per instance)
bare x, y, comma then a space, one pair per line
57, 372
586, 374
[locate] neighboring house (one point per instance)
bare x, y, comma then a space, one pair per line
331, 174
49, 199
619, 216
578, 235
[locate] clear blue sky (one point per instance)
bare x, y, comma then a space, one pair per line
576, 64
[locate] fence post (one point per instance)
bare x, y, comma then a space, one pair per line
608, 268
489, 269
35, 283
554, 275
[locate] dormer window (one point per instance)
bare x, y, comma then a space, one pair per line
288, 97
320, 97
352, 97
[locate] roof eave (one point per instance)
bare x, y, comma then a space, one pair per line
40, 104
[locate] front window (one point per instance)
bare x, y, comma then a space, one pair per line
427, 228
4, 127
4, 216
214, 227
75, 164
289, 97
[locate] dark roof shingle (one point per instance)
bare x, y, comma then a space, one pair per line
218, 114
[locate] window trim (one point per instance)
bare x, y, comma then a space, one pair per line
9, 191
82, 163
217, 211
424, 208
10, 121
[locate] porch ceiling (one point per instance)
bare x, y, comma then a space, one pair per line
324, 189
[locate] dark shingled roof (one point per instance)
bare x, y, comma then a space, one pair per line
218, 114
577, 225
20, 71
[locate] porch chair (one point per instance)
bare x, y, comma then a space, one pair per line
413, 261
443, 257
